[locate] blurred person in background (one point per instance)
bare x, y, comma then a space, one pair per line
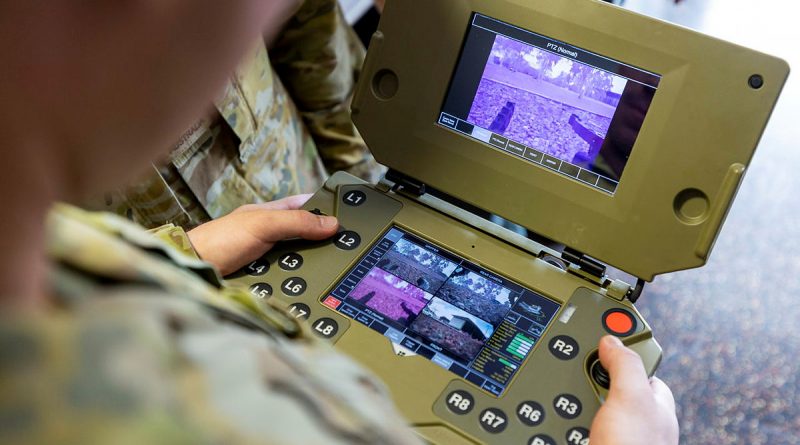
280, 127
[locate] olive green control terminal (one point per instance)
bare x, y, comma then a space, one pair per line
619, 139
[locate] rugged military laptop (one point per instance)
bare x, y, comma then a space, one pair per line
610, 138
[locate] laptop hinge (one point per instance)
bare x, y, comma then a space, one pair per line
578, 263
584, 263
405, 183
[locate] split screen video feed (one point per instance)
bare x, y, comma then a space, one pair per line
434, 297
438, 305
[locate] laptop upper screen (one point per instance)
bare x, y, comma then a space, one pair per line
548, 102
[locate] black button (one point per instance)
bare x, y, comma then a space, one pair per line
755, 81
347, 240
542, 439
293, 286
578, 436
325, 327
530, 413
300, 311
257, 268
460, 402
290, 261
317, 212
564, 347
493, 420
600, 375
261, 290
567, 406
354, 198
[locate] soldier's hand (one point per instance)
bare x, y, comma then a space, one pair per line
638, 410
241, 237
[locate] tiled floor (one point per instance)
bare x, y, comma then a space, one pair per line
731, 330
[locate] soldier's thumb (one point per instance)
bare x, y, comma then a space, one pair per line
278, 225
625, 368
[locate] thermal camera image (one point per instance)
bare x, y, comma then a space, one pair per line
390, 296
550, 103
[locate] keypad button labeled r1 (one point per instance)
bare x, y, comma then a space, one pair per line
347, 240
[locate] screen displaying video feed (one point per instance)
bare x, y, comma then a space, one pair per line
548, 103
438, 305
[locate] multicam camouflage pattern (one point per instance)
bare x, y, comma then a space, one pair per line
142, 346
281, 126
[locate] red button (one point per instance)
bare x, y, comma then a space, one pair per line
619, 322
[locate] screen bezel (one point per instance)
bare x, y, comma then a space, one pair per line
689, 158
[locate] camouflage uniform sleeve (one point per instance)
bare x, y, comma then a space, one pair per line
139, 349
319, 58
177, 238
138, 366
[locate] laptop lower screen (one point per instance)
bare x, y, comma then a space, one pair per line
435, 304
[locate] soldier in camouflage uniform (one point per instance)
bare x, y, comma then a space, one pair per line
280, 127
110, 334
152, 349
